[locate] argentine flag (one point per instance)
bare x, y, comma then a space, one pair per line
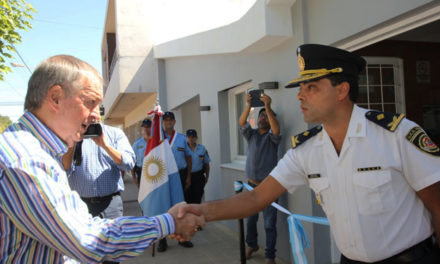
160, 187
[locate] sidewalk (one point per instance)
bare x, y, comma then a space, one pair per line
216, 243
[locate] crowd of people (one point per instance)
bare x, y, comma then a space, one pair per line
375, 174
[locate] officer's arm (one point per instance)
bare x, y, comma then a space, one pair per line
243, 204
189, 167
431, 199
207, 168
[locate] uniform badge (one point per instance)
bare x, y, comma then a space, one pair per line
302, 137
389, 121
421, 140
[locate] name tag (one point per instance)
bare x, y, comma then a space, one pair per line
314, 176
180, 149
369, 168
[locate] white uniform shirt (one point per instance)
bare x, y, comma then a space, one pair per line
373, 214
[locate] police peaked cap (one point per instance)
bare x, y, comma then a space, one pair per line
317, 61
191, 133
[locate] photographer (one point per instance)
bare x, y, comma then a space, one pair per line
95, 172
261, 158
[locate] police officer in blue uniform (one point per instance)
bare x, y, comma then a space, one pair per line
182, 155
200, 168
139, 147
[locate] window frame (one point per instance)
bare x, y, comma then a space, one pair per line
399, 88
234, 115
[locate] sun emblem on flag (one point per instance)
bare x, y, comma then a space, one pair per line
153, 169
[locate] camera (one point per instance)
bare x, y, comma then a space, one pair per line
255, 98
94, 130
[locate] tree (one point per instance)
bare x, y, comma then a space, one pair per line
4, 122
14, 15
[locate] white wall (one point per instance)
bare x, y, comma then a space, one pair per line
327, 22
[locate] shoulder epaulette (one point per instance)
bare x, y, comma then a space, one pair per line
304, 136
388, 121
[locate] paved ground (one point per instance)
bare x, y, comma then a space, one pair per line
216, 243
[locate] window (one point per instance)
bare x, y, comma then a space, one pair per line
381, 85
237, 99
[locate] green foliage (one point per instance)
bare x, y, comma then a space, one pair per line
4, 122
14, 15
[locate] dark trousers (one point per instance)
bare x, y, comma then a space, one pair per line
425, 252
196, 190
109, 206
183, 174
138, 171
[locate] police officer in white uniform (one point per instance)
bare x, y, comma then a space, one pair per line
376, 175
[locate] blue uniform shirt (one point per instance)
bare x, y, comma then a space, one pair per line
139, 147
180, 149
98, 174
199, 157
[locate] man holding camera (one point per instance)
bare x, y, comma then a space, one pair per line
95, 172
262, 157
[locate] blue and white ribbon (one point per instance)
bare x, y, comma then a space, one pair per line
297, 233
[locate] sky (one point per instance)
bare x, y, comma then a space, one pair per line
58, 27
76, 28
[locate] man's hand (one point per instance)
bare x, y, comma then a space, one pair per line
188, 223
266, 99
248, 99
100, 141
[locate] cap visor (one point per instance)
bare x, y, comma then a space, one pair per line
306, 78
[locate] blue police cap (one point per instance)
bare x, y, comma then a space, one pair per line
168, 114
146, 122
191, 133
317, 61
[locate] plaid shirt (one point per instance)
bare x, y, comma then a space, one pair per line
43, 221
98, 175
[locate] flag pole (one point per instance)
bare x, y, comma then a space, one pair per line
241, 231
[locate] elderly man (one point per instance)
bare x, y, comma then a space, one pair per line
42, 219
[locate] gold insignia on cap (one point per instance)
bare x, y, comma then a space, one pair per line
301, 62
306, 133
380, 116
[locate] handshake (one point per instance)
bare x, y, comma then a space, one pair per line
188, 219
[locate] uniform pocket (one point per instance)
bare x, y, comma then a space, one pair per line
374, 192
323, 193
